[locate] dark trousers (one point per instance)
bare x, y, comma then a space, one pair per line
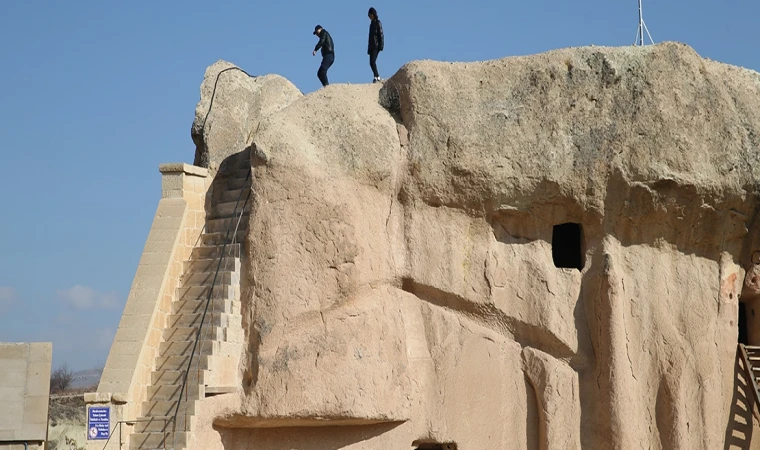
327, 61
373, 62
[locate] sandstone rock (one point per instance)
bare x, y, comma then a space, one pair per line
556, 386
403, 135
418, 289
340, 344
230, 108
751, 290
310, 216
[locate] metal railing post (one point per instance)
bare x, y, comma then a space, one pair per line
119, 424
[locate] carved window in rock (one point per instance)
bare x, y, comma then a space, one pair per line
567, 246
437, 446
742, 323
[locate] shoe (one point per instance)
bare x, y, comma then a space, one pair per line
377, 80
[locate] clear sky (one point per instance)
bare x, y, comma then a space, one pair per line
95, 94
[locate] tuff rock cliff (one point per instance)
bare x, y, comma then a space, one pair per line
403, 287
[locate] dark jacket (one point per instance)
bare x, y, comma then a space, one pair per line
376, 38
325, 43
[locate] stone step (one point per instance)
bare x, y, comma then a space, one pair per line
231, 209
200, 293
165, 363
214, 251
209, 333
224, 277
217, 305
167, 392
180, 334
211, 264
158, 408
220, 237
219, 319
154, 424
169, 377
238, 183
181, 348
184, 348
234, 335
231, 195
238, 161
158, 440
164, 423
226, 224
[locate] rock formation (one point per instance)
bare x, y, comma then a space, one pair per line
231, 106
404, 287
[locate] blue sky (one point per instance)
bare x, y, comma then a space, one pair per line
96, 94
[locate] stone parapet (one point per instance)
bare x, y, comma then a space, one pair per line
24, 393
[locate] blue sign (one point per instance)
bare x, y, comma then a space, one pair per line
98, 423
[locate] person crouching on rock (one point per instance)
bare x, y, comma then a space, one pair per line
328, 53
376, 42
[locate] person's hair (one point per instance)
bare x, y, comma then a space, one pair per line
372, 12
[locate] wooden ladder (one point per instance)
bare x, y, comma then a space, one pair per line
750, 355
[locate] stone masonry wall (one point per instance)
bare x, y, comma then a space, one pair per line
177, 225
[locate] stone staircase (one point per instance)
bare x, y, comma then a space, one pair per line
221, 340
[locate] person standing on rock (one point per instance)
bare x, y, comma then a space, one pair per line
328, 53
376, 42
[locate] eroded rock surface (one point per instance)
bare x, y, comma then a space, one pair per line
403, 256
232, 104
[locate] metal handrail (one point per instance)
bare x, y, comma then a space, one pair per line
213, 283
164, 419
118, 423
210, 294
240, 217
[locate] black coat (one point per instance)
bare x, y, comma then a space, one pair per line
325, 43
376, 38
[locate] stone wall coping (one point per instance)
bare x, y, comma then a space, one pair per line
105, 397
97, 397
189, 169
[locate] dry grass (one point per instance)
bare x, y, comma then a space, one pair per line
69, 408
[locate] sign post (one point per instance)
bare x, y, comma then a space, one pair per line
98, 422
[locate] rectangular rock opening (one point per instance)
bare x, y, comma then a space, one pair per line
742, 324
436, 446
567, 246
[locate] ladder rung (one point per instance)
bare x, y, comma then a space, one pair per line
752, 347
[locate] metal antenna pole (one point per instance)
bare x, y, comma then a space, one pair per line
640, 32
642, 28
